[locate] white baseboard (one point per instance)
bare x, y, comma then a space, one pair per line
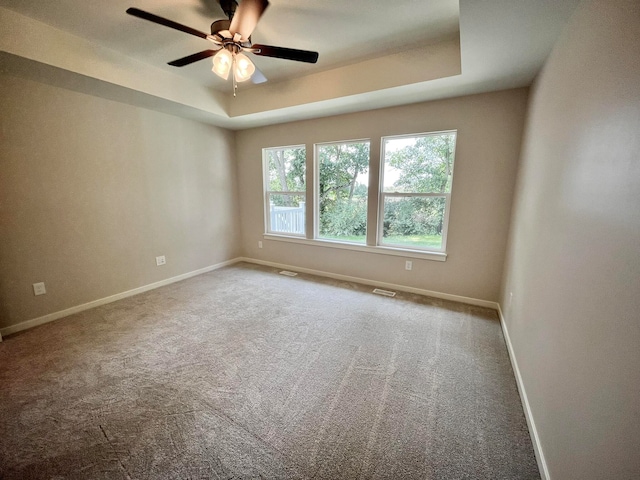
535, 439
374, 283
34, 322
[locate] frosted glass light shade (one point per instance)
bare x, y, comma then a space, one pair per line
222, 62
244, 68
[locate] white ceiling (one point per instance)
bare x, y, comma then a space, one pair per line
372, 53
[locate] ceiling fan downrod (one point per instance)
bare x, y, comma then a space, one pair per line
229, 7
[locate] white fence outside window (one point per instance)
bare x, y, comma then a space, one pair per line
287, 219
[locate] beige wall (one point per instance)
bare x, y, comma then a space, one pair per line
574, 257
488, 145
91, 191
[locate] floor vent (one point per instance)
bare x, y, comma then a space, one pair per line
288, 273
386, 293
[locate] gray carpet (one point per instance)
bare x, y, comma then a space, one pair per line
244, 373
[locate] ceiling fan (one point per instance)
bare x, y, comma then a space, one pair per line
231, 38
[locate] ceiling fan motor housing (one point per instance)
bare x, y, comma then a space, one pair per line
220, 25
223, 26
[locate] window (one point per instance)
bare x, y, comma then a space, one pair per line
416, 176
342, 187
408, 218
285, 189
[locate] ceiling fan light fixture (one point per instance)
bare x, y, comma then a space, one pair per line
244, 68
231, 37
222, 63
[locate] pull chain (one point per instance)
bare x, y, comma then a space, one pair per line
233, 72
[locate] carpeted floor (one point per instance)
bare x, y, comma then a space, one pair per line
244, 373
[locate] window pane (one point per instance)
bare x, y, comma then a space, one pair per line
286, 169
342, 189
420, 164
287, 214
413, 221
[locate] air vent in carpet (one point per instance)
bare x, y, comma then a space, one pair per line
288, 273
386, 293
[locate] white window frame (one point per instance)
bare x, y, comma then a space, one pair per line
382, 195
316, 194
268, 193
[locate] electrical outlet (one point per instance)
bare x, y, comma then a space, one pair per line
408, 265
259, 243
161, 260
38, 289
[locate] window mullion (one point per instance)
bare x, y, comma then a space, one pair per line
415, 194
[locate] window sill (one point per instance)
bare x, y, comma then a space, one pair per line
400, 252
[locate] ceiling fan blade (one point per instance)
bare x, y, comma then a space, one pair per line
258, 77
286, 53
181, 62
246, 17
167, 23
